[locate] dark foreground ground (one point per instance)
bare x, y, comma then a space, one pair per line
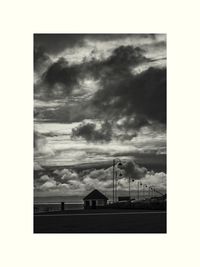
114, 221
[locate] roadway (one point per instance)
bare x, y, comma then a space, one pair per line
101, 222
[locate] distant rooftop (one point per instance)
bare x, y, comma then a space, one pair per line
95, 194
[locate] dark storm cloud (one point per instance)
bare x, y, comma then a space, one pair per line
60, 79
124, 94
112, 37
41, 59
89, 132
139, 98
124, 56
134, 170
118, 65
143, 95
150, 160
56, 43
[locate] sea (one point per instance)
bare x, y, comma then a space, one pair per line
44, 204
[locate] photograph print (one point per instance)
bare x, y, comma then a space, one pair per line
100, 133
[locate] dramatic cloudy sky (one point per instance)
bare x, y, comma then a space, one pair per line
98, 97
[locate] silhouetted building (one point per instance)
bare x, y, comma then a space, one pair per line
94, 200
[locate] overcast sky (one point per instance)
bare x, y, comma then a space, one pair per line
98, 97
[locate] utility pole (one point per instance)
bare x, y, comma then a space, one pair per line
138, 190
113, 180
129, 188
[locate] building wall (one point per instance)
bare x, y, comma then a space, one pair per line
99, 202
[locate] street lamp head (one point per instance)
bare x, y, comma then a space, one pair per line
116, 160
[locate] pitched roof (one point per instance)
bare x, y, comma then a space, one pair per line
95, 194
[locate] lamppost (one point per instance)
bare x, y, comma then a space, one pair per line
145, 190
138, 190
116, 195
130, 180
151, 190
142, 190
118, 163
